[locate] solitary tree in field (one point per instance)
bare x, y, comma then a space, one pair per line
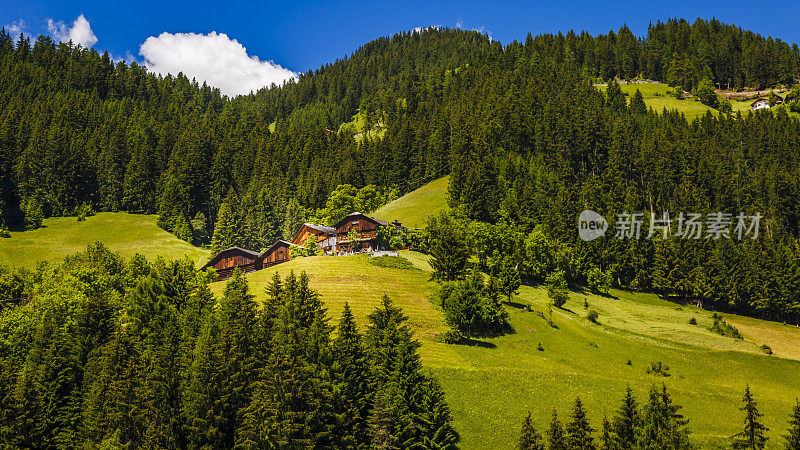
529, 438
752, 436
793, 438
557, 289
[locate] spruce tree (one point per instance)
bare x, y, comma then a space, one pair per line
529, 438
626, 421
556, 439
793, 437
752, 436
351, 394
578, 431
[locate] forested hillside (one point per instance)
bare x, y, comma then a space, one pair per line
526, 139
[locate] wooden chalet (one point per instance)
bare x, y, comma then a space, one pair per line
228, 260
276, 253
365, 226
325, 236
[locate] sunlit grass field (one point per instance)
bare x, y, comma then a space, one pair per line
659, 96
491, 387
123, 233
413, 209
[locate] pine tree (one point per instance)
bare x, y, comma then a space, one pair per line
626, 421
352, 397
793, 438
752, 436
448, 249
556, 439
578, 431
529, 438
225, 230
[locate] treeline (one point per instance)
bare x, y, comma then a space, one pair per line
679, 53
657, 423
99, 352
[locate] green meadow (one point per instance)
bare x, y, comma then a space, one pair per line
492, 385
413, 209
659, 96
123, 233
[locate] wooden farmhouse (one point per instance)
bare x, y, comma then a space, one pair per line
333, 240
325, 236
226, 261
367, 231
277, 253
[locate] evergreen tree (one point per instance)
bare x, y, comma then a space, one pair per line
556, 439
793, 437
448, 248
626, 421
529, 438
752, 436
225, 230
578, 431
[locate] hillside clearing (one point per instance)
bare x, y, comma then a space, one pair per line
414, 208
491, 386
126, 234
659, 96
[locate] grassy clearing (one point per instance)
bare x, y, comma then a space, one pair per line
490, 387
123, 233
660, 96
357, 128
413, 209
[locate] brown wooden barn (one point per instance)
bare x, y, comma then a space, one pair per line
365, 226
276, 253
325, 236
226, 261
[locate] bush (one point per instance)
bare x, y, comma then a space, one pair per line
4, 233
557, 288
451, 337
656, 368
593, 316
692, 321
723, 328
34, 216
598, 280
83, 211
766, 349
725, 106
706, 93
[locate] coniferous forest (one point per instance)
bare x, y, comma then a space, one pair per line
140, 352
526, 139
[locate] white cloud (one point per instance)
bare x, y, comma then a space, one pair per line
421, 29
481, 29
214, 58
15, 29
80, 33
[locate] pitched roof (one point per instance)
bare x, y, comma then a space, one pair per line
217, 257
352, 216
322, 228
271, 247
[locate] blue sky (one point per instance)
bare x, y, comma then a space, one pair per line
304, 35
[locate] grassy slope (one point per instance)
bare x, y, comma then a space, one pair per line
414, 208
656, 96
124, 233
492, 386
